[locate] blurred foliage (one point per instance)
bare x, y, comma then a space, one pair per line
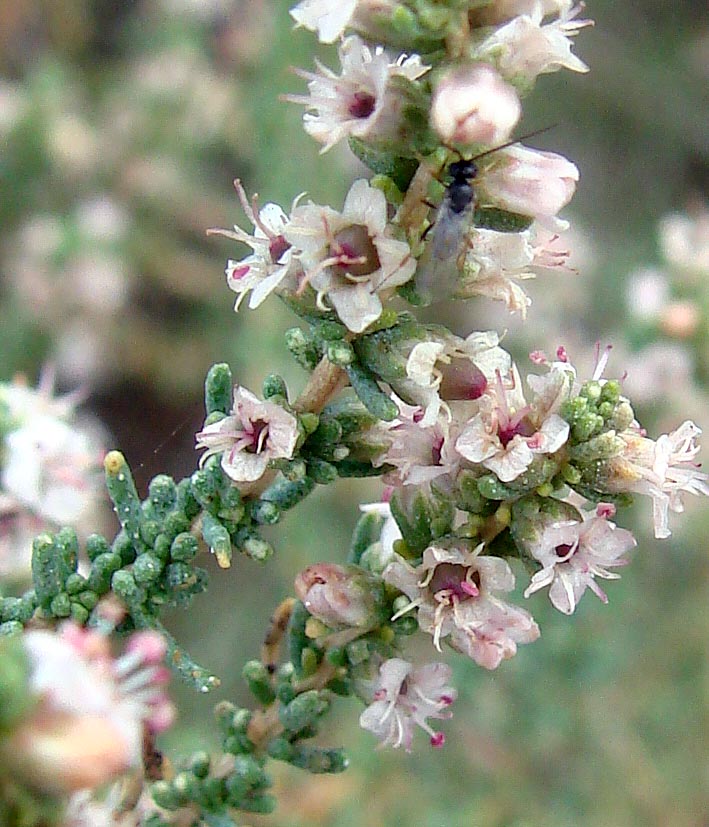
122, 125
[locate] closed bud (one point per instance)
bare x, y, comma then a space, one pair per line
474, 105
341, 595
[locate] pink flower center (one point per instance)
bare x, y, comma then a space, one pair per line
452, 581
511, 428
277, 246
355, 252
256, 433
362, 105
565, 551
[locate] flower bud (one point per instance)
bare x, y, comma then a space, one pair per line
341, 595
474, 105
531, 182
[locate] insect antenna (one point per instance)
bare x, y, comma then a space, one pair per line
514, 141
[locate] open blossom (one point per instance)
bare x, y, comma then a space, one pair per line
405, 696
447, 369
348, 257
419, 451
507, 433
527, 46
572, 554
271, 261
88, 725
473, 105
455, 592
495, 261
253, 434
360, 102
663, 470
531, 182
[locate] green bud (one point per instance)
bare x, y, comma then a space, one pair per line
286, 494
175, 523
149, 531
218, 540
88, 599
358, 651
322, 472
124, 585
78, 613
184, 548
304, 348
75, 583
366, 533
147, 569
318, 760
256, 676
186, 502
265, 512
340, 353
123, 546
95, 545
102, 569
217, 389
331, 331
303, 710
280, 749
162, 493
11, 628
60, 605
275, 385
122, 491
199, 764
255, 547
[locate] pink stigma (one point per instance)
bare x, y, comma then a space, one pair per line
438, 739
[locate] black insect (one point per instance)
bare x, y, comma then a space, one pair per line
442, 261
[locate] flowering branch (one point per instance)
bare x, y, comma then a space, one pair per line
482, 467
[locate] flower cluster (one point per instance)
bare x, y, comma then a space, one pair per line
50, 465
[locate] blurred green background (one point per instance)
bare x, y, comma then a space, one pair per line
122, 126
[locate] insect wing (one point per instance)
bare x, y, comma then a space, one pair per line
437, 272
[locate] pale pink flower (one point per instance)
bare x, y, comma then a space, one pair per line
531, 182
419, 452
88, 725
527, 46
495, 261
271, 262
329, 18
572, 554
663, 470
361, 101
446, 369
348, 257
507, 433
253, 434
341, 595
454, 591
405, 696
473, 105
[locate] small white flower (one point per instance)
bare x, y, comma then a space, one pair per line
454, 591
419, 452
329, 18
250, 437
270, 263
445, 370
495, 261
348, 257
663, 470
527, 46
405, 696
572, 554
360, 101
531, 182
507, 432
